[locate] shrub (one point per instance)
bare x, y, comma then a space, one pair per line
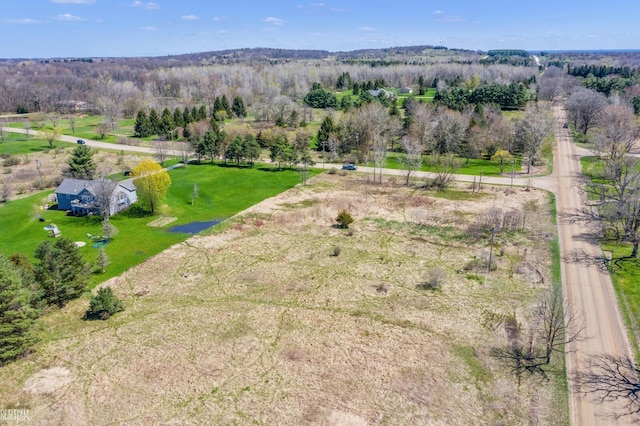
103, 305
332, 171
336, 251
11, 161
344, 219
434, 280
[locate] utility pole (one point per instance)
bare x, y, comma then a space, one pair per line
493, 232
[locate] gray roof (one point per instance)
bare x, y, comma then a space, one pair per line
75, 186
128, 184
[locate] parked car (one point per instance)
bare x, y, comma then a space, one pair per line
81, 142
349, 167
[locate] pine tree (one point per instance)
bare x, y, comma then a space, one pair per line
141, 129
238, 107
178, 119
154, 122
186, 117
217, 105
81, 165
16, 313
202, 112
225, 105
61, 271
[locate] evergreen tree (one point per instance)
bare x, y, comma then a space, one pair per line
252, 148
81, 165
186, 117
166, 124
16, 313
238, 107
154, 122
326, 127
225, 105
202, 112
195, 114
142, 127
178, 119
103, 305
217, 105
61, 271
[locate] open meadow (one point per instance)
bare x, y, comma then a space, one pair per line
277, 316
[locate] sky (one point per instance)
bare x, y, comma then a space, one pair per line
115, 28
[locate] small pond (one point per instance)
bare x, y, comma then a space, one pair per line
194, 227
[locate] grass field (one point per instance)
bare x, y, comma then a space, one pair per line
472, 166
222, 192
261, 323
18, 144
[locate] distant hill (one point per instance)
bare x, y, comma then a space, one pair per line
268, 54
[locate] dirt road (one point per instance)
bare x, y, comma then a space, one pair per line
586, 286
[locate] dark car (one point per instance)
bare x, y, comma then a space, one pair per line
349, 167
81, 141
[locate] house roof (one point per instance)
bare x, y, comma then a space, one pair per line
128, 184
73, 186
76, 186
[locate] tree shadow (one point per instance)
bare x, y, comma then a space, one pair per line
582, 257
609, 378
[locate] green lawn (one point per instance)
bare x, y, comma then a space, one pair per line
17, 144
473, 166
625, 274
222, 192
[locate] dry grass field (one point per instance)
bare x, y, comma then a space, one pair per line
261, 323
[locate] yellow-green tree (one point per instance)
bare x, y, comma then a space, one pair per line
502, 157
152, 183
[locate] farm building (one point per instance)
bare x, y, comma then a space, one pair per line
82, 197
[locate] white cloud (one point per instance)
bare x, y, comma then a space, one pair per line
438, 12
149, 28
189, 17
24, 21
273, 21
317, 4
69, 18
219, 18
451, 18
143, 5
74, 1
367, 28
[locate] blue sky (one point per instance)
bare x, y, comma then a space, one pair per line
77, 28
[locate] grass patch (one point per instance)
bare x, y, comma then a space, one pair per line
222, 192
18, 144
471, 166
477, 369
625, 274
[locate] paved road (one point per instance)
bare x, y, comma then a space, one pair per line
91, 143
586, 286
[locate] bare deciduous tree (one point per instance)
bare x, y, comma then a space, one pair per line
532, 131
616, 185
161, 151
553, 325
413, 157
584, 107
